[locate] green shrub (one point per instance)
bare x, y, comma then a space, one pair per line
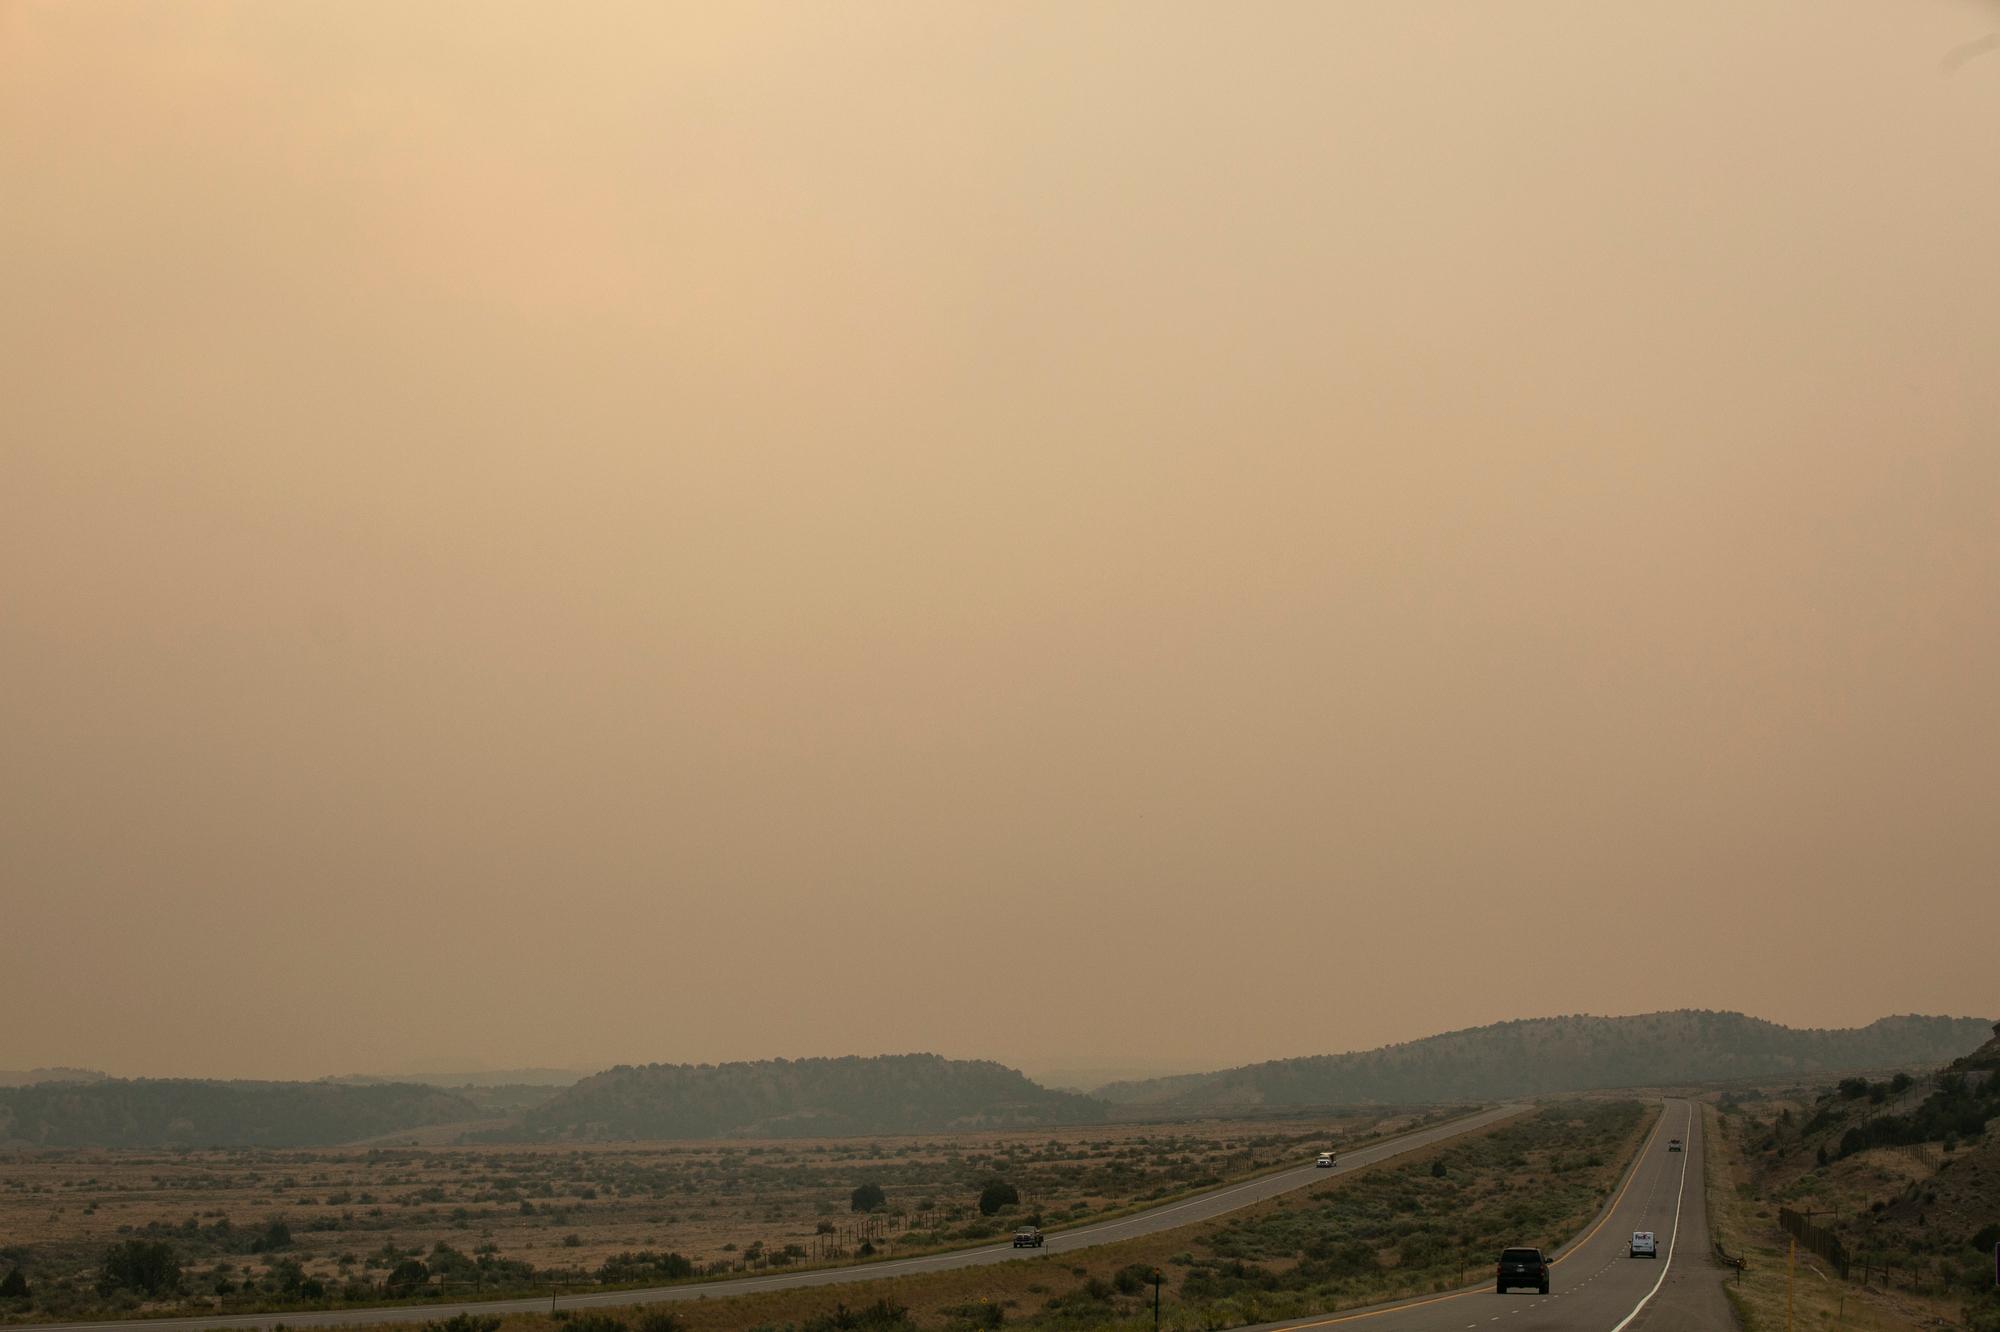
463, 1322
593, 1321
979, 1314
646, 1265
147, 1266
867, 1198
882, 1316
275, 1235
407, 1275
660, 1320
997, 1194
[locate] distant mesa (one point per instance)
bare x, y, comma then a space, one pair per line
1549, 1056
179, 1112
927, 1093
783, 1098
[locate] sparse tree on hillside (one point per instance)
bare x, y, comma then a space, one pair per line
408, 1274
142, 1265
996, 1195
868, 1198
14, 1286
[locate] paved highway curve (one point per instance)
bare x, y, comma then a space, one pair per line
1596, 1286
1164, 1217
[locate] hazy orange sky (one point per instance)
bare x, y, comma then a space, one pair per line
1162, 534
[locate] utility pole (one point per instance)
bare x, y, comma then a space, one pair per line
1791, 1260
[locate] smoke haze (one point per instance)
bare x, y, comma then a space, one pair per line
1129, 534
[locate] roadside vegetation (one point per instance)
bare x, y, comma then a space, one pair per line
1899, 1180
242, 1231
1403, 1227
1424, 1226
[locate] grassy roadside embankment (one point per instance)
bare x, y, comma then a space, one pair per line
1747, 1227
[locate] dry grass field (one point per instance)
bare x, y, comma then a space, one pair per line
270, 1228
1341, 1242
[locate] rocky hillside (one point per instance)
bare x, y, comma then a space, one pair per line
1903, 1171
804, 1098
1540, 1056
173, 1112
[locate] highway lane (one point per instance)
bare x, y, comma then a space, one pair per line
1165, 1217
1595, 1285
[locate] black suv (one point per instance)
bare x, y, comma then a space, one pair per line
1523, 1267
1027, 1237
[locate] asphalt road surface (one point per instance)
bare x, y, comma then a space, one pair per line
1164, 1217
1595, 1285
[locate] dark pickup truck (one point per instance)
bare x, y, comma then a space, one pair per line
1522, 1267
1027, 1237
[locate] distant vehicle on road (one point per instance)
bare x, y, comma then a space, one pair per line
1522, 1267
1326, 1160
1027, 1237
1673, 1144
1644, 1245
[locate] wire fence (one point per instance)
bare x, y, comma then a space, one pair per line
1928, 1154
1815, 1239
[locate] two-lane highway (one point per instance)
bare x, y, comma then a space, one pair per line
1596, 1285
1165, 1217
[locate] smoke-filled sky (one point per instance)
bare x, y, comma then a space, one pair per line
1165, 534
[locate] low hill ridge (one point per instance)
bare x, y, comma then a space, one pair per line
1986, 1057
184, 1112
775, 1098
29, 1077
1546, 1056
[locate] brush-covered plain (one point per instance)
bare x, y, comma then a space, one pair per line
94, 1232
1410, 1225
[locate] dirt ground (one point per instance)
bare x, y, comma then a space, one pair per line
725, 1205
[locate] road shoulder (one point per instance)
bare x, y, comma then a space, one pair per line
1691, 1299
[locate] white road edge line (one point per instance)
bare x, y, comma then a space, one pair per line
1361, 1156
1673, 1240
